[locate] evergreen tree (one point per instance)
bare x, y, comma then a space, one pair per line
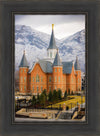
59, 94
43, 99
50, 96
55, 95
38, 98
68, 91
65, 94
72, 93
33, 100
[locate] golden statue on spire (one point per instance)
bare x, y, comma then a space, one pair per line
52, 26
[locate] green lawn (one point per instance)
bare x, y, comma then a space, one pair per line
74, 101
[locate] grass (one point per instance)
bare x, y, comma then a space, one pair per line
74, 101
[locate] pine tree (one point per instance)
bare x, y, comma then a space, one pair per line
68, 91
55, 95
33, 100
50, 95
59, 94
65, 95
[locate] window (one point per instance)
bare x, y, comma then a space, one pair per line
21, 88
55, 87
50, 54
78, 80
25, 70
55, 79
33, 79
41, 79
59, 78
33, 88
59, 69
55, 70
49, 78
37, 78
41, 88
24, 79
21, 70
37, 89
49, 88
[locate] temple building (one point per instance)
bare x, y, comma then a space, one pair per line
49, 73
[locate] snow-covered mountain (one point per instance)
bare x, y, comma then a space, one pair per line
35, 44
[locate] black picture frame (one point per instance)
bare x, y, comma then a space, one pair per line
7, 68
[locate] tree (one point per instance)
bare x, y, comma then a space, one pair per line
55, 95
72, 93
43, 99
50, 96
68, 91
59, 94
38, 98
33, 100
65, 94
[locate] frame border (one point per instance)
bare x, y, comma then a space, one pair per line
93, 126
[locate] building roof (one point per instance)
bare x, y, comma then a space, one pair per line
52, 44
67, 67
77, 65
47, 66
23, 62
57, 61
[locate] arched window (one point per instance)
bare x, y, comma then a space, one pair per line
33, 79
55, 79
24, 88
41, 79
37, 78
33, 88
49, 88
49, 78
59, 78
24, 79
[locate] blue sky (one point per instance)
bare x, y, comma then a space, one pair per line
64, 25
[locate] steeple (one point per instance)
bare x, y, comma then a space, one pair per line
77, 65
52, 44
23, 62
57, 61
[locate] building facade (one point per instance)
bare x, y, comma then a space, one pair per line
50, 73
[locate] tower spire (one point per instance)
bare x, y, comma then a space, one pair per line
57, 61
52, 44
77, 65
23, 62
